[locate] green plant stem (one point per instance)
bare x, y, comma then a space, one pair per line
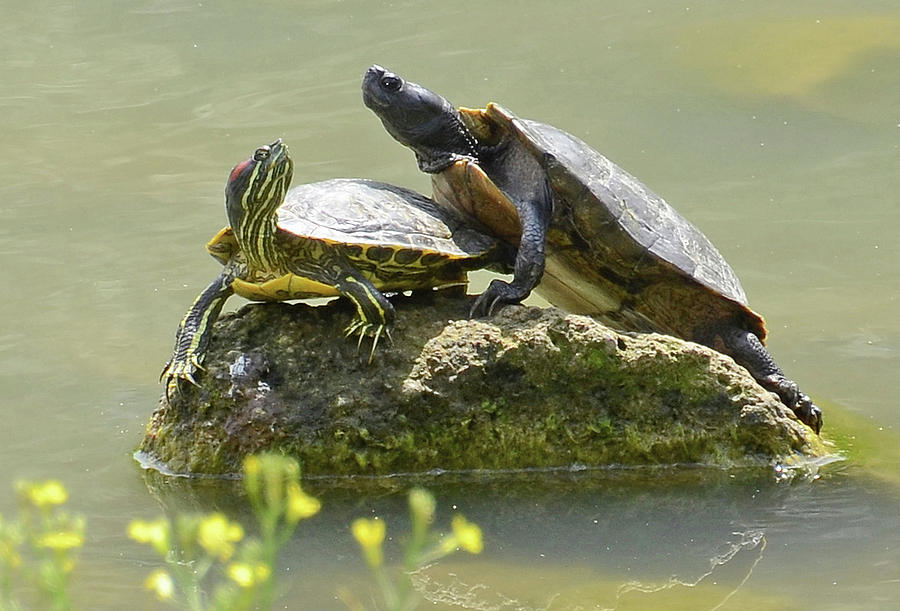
189, 581
52, 579
391, 598
7, 602
427, 557
272, 538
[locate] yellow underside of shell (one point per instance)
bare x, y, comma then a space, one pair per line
286, 287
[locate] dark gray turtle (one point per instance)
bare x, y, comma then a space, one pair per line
596, 239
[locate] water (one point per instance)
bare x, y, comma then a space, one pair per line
775, 130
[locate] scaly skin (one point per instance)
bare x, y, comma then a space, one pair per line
516, 167
194, 331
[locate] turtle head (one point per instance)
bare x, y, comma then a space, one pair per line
256, 186
418, 118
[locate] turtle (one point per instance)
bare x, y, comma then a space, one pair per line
349, 237
590, 237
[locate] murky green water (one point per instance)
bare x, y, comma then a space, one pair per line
776, 130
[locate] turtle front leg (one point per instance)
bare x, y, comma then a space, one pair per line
749, 352
529, 268
374, 313
194, 332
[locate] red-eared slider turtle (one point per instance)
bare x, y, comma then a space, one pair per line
348, 237
613, 248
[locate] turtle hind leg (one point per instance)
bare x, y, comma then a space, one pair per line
749, 352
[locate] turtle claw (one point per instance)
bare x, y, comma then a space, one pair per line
378, 331
498, 293
357, 326
482, 308
808, 413
164, 374
180, 371
175, 384
363, 328
171, 389
790, 394
190, 378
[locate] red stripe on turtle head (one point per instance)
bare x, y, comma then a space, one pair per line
239, 169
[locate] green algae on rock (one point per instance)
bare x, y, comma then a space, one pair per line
527, 388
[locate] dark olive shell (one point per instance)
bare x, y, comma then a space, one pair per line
614, 248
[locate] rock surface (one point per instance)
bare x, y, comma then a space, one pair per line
527, 388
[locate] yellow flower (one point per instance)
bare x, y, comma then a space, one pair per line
241, 573
61, 540
265, 479
217, 536
160, 582
251, 466
421, 506
44, 494
299, 504
370, 534
248, 575
155, 533
467, 534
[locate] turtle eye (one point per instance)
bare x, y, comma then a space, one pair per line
261, 153
391, 82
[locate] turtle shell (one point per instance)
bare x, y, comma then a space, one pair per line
396, 237
614, 249
379, 217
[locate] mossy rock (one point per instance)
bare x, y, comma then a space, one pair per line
527, 388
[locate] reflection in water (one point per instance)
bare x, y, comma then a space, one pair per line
711, 590
663, 538
608, 539
752, 541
